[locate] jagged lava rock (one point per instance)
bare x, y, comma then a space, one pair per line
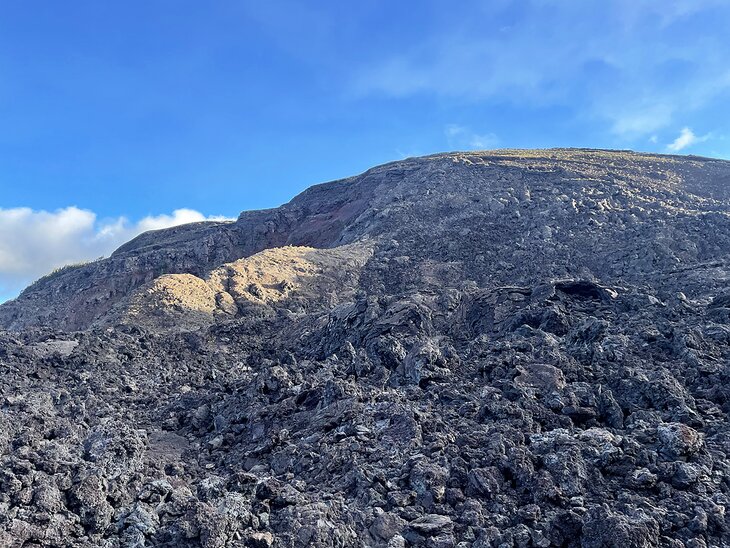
503, 348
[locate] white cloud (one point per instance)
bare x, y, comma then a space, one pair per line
685, 139
178, 217
462, 138
619, 61
33, 243
631, 120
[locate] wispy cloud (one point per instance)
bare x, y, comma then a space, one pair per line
33, 243
686, 138
623, 63
463, 138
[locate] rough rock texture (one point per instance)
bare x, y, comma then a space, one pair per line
511, 348
292, 277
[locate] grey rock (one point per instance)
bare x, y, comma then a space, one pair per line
507, 348
430, 524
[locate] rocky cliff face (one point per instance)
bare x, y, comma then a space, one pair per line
511, 348
76, 298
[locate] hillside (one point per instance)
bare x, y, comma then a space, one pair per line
610, 215
504, 348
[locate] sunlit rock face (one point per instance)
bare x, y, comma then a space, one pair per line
507, 348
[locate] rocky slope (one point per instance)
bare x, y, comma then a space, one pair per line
510, 348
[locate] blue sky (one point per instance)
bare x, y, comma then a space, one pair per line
121, 116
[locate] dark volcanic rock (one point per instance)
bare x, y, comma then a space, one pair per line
511, 348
